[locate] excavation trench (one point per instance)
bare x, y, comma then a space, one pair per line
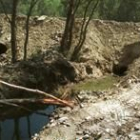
129, 54
29, 125
104, 45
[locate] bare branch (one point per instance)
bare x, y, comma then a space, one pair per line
16, 102
83, 23
87, 23
77, 6
84, 29
36, 91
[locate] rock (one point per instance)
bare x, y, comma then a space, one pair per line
88, 118
79, 132
81, 105
86, 137
62, 119
86, 132
137, 127
42, 18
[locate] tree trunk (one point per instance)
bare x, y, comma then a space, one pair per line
84, 29
67, 36
13, 31
33, 3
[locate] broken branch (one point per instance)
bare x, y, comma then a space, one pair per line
36, 91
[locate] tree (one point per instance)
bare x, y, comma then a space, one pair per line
119, 10
108, 9
84, 27
67, 36
66, 43
5, 5
13, 31
32, 4
49, 7
12, 22
129, 10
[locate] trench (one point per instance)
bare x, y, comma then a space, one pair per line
130, 53
25, 127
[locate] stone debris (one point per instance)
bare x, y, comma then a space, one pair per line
62, 119
107, 119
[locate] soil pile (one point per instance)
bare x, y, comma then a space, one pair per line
108, 44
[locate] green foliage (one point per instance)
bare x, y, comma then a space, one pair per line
83, 6
98, 84
6, 5
129, 10
43, 7
49, 7
108, 9
120, 10
23, 6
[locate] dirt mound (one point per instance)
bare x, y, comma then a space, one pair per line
43, 33
107, 42
111, 43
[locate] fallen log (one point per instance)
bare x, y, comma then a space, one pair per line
14, 102
48, 98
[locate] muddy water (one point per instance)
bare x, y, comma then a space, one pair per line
24, 127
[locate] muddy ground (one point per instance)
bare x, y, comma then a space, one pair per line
110, 48
114, 116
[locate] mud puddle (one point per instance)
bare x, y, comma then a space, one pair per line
23, 128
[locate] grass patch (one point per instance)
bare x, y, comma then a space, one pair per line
104, 83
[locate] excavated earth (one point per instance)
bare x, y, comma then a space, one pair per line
108, 44
110, 48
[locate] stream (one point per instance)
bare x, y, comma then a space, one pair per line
23, 128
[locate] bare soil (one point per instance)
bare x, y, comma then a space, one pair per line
110, 47
113, 115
